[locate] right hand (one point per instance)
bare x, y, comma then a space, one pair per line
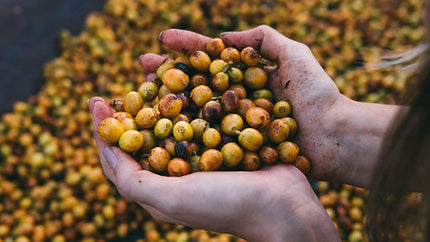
302, 81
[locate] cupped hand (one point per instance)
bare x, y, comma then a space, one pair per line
272, 204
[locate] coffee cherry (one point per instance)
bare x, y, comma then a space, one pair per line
292, 124
169, 144
232, 154
282, 109
201, 95
229, 101
278, 131
250, 139
210, 160
148, 91
200, 60
185, 98
159, 158
211, 111
198, 79
257, 117
220, 82
178, 167
170, 105
130, 141
303, 164
243, 105
149, 141
180, 117
216, 66
255, 78
163, 128
264, 103
262, 93
163, 68
163, 91
287, 151
182, 131
230, 54
175, 79
183, 149
239, 90
122, 115
133, 102
199, 125
250, 56
211, 138
184, 67
214, 47
268, 155
235, 75
231, 123
250, 162
129, 124
110, 130
146, 118
118, 105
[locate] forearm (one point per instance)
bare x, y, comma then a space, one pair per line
357, 134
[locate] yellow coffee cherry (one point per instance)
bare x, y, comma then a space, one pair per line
133, 102
131, 141
110, 130
282, 109
287, 151
182, 131
146, 118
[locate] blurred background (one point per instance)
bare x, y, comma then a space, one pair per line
54, 55
30, 31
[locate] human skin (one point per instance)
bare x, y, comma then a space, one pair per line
341, 137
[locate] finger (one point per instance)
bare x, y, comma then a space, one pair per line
100, 110
183, 40
150, 62
271, 44
141, 185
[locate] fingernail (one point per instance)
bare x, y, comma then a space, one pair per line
223, 34
110, 157
160, 37
91, 104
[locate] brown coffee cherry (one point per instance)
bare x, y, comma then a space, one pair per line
250, 162
198, 79
268, 155
214, 47
178, 167
239, 89
149, 140
303, 164
183, 149
211, 111
243, 105
250, 56
230, 54
169, 144
265, 104
229, 101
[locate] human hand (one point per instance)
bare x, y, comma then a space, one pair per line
273, 204
341, 137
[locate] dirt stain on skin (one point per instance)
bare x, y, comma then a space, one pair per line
286, 84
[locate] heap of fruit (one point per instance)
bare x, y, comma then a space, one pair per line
209, 111
52, 187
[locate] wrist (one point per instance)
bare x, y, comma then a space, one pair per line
356, 134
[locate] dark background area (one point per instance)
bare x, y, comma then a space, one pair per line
29, 33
